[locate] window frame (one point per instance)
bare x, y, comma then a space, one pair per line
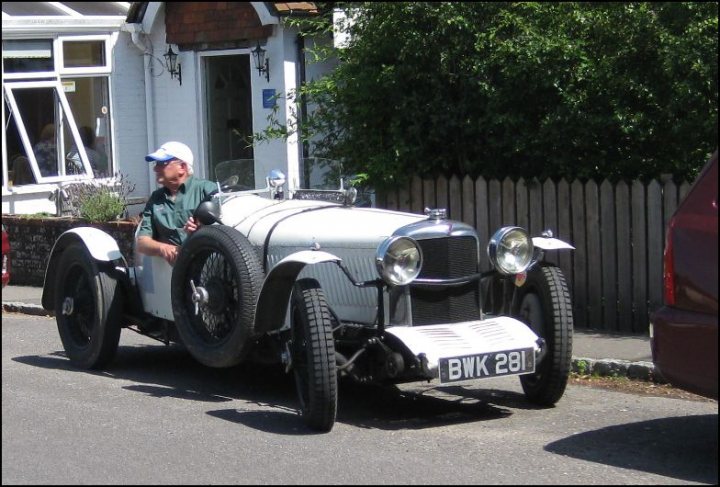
68, 117
60, 56
34, 74
54, 79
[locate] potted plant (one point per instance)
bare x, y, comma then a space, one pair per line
92, 203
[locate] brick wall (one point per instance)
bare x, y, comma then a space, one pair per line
193, 24
32, 239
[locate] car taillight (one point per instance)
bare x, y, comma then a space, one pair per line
668, 267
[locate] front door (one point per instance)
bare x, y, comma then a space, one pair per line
229, 118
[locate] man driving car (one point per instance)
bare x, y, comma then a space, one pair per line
167, 218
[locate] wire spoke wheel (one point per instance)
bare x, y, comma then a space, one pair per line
214, 318
215, 286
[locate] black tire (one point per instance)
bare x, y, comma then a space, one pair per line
313, 355
222, 261
88, 309
543, 302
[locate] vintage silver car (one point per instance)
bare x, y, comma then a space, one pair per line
328, 289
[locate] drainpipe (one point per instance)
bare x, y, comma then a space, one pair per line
139, 38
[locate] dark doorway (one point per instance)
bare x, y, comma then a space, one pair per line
229, 114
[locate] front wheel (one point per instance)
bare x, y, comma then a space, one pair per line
544, 304
312, 351
215, 285
88, 309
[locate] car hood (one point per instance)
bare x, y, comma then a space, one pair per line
308, 224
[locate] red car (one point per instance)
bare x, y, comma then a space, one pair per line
5, 257
684, 332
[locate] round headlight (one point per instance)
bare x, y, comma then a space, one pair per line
510, 250
276, 178
398, 260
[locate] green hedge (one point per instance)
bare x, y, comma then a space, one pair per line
574, 90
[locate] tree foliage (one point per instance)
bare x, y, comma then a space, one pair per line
586, 90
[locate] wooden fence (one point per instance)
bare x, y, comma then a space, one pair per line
618, 230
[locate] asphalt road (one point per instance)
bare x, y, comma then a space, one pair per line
156, 416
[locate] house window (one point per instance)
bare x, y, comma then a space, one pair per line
28, 56
89, 100
83, 54
43, 135
56, 110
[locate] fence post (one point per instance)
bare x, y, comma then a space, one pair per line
609, 246
594, 256
577, 195
639, 257
624, 257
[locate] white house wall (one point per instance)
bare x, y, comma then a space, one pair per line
128, 109
177, 112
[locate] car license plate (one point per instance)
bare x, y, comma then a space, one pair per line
483, 365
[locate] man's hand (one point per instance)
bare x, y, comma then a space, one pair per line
148, 246
191, 226
169, 252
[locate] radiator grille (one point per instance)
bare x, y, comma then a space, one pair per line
444, 258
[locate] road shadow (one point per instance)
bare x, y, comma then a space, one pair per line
169, 371
684, 447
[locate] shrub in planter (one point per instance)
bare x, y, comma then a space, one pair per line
102, 206
98, 202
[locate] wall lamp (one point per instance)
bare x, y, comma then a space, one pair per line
262, 64
173, 67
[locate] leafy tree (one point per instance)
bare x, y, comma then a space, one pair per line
588, 90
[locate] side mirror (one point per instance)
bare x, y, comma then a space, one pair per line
207, 212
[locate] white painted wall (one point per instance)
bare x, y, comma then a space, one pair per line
128, 113
179, 111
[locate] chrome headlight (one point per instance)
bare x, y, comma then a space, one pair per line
276, 178
398, 260
510, 250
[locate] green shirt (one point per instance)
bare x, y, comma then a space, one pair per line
163, 219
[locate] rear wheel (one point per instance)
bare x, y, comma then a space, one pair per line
313, 355
544, 304
88, 309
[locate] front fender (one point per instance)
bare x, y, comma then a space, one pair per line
278, 285
102, 247
550, 243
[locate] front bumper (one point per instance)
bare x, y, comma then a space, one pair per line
433, 344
